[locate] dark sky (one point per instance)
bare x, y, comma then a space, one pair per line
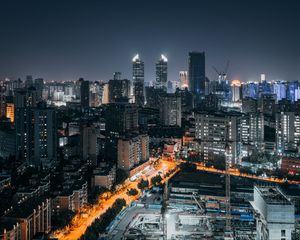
65, 40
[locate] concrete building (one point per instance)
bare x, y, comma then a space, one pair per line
275, 214
287, 131
45, 136
88, 143
132, 151
213, 130
252, 126
7, 140
170, 109
73, 198
104, 177
27, 219
118, 90
236, 90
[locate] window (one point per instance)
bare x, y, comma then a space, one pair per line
282, 233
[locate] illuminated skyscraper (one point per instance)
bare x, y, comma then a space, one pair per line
236, 90
138, 80
183, 77
197, 74
162, 73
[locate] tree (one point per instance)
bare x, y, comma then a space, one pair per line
188, 167
156, 180
121, 176
143, 184
132, 192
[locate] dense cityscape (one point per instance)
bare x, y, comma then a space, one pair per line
198, 156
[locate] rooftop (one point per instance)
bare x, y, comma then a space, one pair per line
272, 195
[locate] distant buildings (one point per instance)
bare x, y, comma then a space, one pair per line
236, 90
138, 80
162, 73
183, 78
170, 109
275, 214
118, 90
84, 93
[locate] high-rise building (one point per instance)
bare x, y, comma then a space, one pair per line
279, 89
162, 73
170, 109
197, 74
266, 104
183, 77
84, 93
287, 131
28, 81
138, 80
236, 90
88, 143
215, 131
39, 86
250, 90
117, 75
120, 119
275, 214
118, 90
45, 136
152, 96
132, 151
249, 105
252, 129
25, 100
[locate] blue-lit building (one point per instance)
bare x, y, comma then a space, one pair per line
279, 88
197, 74
291, 91
250, 90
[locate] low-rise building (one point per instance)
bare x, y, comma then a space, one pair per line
275, 214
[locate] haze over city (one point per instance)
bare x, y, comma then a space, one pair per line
149, 120
65, 40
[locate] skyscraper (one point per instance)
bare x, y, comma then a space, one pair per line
120, 119
24, 102
197, 74
183, 77
84, 93
162, 73
45, 136
138, 80
170, 110
236, 90
118, 90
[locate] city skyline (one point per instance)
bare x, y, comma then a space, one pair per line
63, 41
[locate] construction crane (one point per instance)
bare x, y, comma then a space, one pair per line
199, 205
228, 192
227, 181
222, 75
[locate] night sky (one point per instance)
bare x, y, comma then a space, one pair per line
65, 40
